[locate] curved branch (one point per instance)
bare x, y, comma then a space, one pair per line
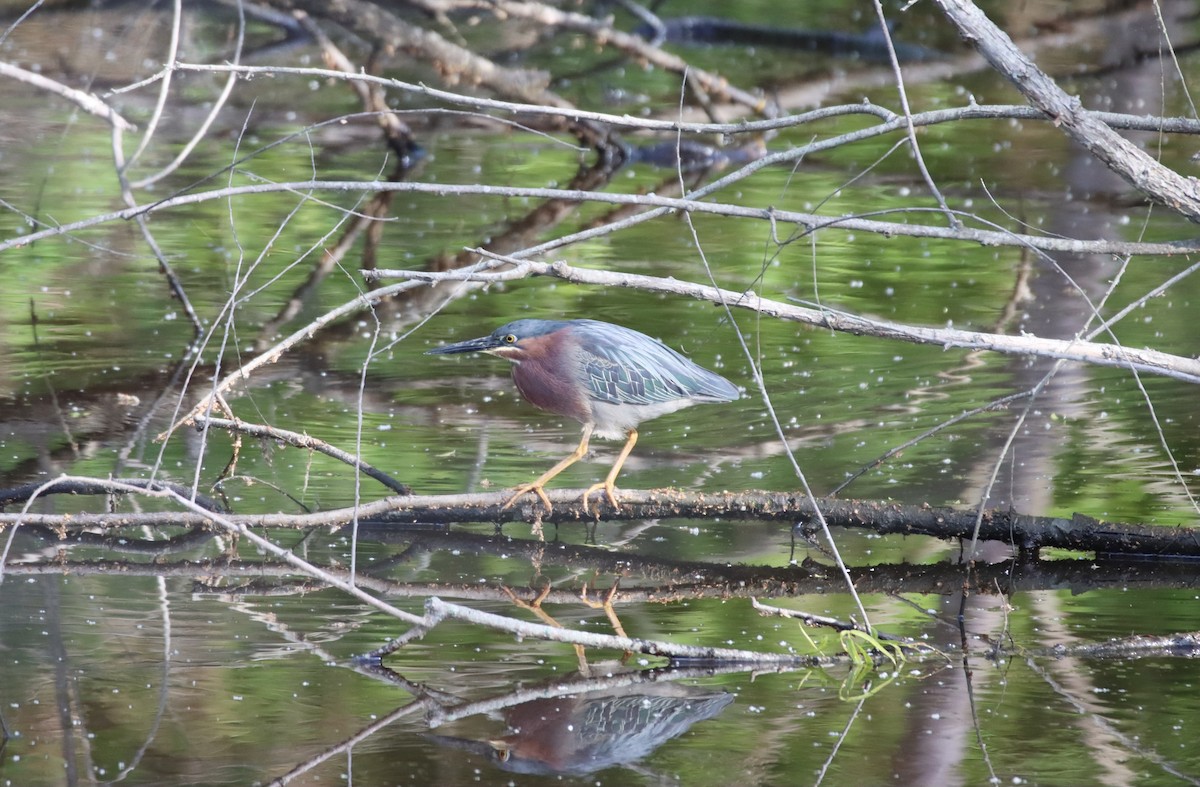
102, 486
86, 101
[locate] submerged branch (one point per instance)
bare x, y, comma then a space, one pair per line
1134, 646
384, 28
605, 34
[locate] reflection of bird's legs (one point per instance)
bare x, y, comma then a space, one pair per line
607, 606
609, 484
536, 486
535, 607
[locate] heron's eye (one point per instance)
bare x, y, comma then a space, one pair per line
510, 339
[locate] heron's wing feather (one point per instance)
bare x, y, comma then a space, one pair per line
622, 366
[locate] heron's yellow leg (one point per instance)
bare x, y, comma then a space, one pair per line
537, 486
609, 485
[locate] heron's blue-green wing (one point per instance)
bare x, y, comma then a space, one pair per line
623, 366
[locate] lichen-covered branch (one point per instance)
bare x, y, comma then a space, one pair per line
1027, 533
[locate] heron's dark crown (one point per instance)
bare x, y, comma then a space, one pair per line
530, 328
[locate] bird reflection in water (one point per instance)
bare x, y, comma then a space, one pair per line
588, 732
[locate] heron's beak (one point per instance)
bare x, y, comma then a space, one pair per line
481, 345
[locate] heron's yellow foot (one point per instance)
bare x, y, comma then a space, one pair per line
525, 489
610, 490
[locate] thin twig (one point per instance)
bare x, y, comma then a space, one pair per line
164, 91
909, 129
202, 132
273, 354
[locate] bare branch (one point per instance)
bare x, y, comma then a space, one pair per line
379, 24
201, 133
1028, 533
910, 129
164, 92
298, 440
1144, 360
437, 610
810, 221
1174, 125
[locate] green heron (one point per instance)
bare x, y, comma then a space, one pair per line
607, 377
